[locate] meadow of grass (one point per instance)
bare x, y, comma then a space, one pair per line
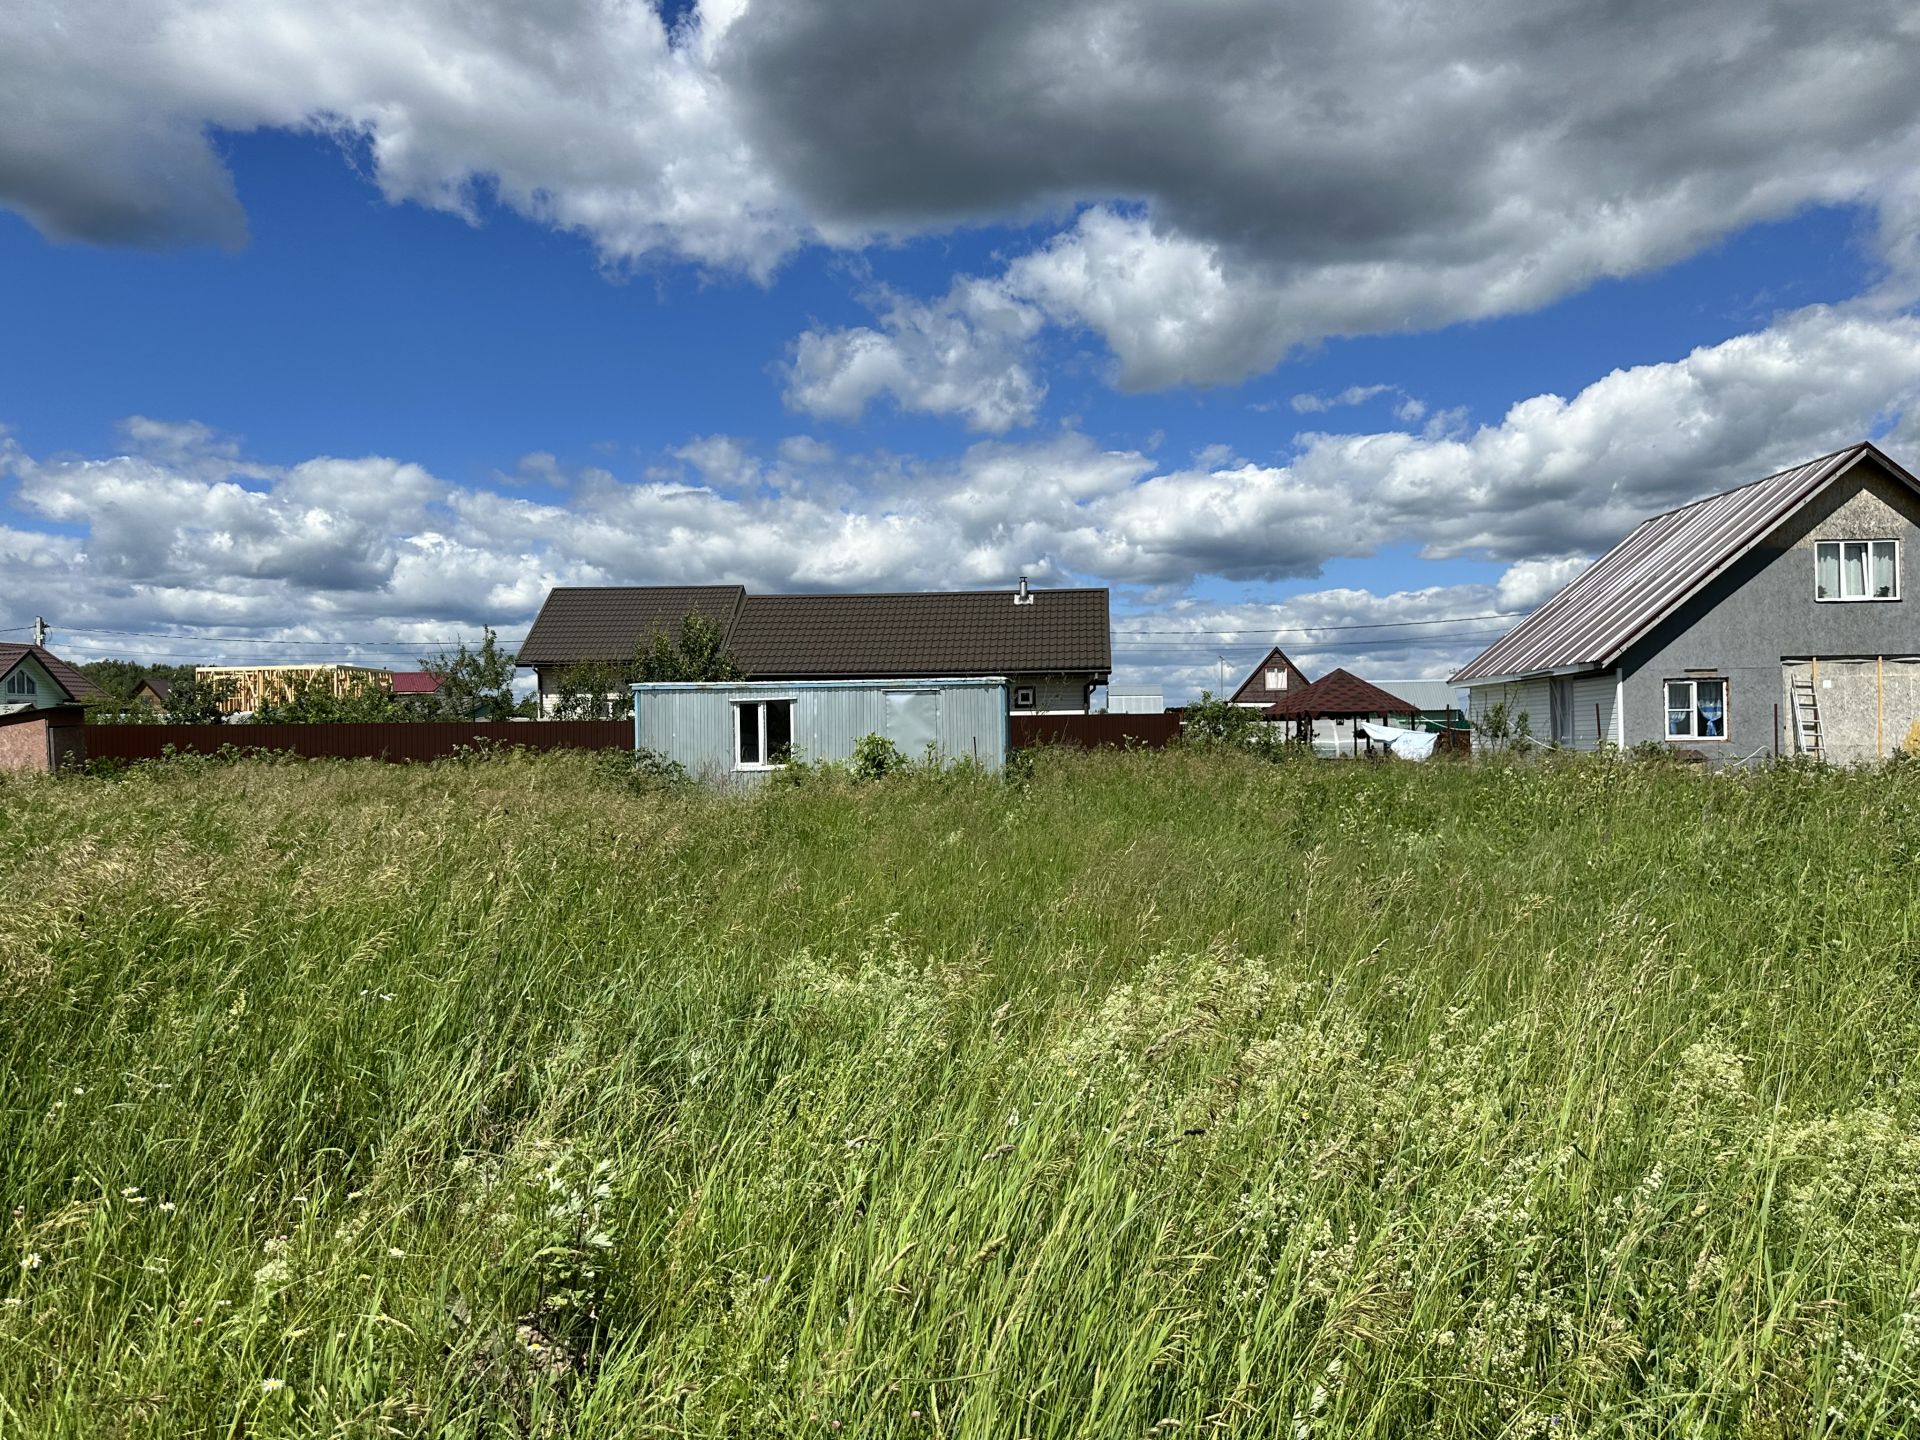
1148, 1095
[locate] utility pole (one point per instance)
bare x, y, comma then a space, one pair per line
40, 631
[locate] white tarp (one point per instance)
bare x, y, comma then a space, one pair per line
1407, 744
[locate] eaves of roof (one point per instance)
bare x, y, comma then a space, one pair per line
1659, 566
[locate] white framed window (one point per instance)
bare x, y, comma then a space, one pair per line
1023, 697
1856, 570
21, 683
1697, 709
1276, 679
762, 734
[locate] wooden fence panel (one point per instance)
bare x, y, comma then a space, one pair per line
1089, 731
397, 741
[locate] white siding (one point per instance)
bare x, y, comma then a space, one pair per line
45, 692
1052, 694
1593, 693
1528, 697
1127, 700
1590, 698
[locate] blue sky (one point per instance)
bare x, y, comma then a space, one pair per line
312, 349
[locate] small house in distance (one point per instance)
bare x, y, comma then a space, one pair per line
1437, 703
32, 677
414, 685
1269, 682
744, 730
42, 714
1136, 700
1771, 619
1052, 648
153, 692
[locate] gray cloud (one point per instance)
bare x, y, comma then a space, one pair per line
1324, 135
1236, 178
587, 115
1288, 171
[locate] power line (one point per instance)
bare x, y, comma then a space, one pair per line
1379, 643
1315, 629
399, 644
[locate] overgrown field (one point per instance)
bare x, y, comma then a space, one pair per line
1155, 1094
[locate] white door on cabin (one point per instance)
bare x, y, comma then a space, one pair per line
913, 720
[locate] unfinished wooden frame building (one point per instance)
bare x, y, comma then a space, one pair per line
249, 686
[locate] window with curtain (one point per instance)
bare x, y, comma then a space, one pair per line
1856, 570
1696, 709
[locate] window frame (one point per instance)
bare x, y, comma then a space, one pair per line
21, 682
1032, 692
1693, 684
1276, 677
1866, 571
760, 705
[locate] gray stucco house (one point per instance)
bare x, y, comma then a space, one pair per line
1773, 619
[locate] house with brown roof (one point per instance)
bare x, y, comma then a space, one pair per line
1776, 618
32, 677
1052, 647
415, 685
1269, 682
41, 714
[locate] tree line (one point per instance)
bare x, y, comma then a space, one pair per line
470, 684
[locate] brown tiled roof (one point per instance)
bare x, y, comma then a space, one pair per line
162, 689
796, 637
608, 622
415, 682
1341, 693
953, 632
1254, 687
70, 679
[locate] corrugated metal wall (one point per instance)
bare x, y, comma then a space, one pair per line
1088, 732
694, 724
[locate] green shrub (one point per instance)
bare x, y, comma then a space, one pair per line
874, 756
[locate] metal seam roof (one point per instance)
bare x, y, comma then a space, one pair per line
1664, 561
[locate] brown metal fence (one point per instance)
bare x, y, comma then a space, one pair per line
1087, 732
394, 740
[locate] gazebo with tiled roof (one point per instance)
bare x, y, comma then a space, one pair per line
1338, 695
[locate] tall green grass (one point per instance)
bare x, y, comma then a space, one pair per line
1157, 1094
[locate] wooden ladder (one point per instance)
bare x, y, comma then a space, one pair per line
1806, 718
